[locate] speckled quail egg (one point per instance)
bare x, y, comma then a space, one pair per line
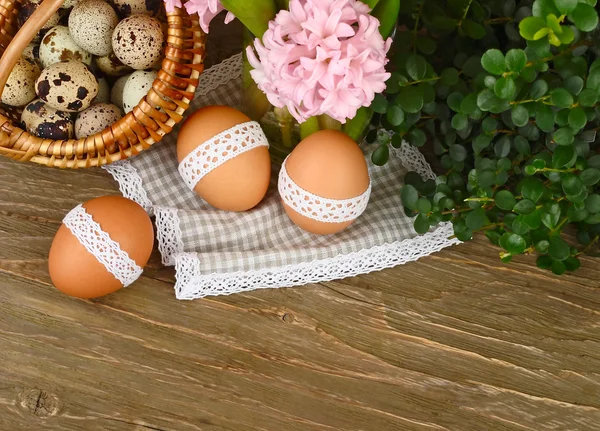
103, 95
58, 45
110, 65
26, 10
67, 86
32, 52
92, 23
45, 122
116, 92
138, 41
95, 119
20, 87
127, 8
136, 87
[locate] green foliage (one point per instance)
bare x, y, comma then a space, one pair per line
507, 95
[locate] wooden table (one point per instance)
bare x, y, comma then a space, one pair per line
455, 341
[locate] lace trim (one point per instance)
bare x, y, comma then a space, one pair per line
220, 149
130, 183
101, 246
220, 74
316, 207
192, 284
170, 237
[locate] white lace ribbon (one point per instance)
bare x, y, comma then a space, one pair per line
319, 208
219, 149
101, 246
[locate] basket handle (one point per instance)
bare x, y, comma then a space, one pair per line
24, 36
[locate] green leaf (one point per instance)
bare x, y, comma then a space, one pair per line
530, 26
422, 224
577, 118
381, 156
576, 215
490, 81
516, 59
426, 45
594, 161
563, 156
505, 88
513, 243
544, 262
584, 17
386, 11
454, 101
519, 227
588, 97
565, 6
424, 205
473, 29
550, 220
567, 36
533, 220
532, 188
561, 98
590, 177
493, 62
416, 138
449, 77
489, 125
502, 147
476, 219
416, 67
592, 203
572, 185
524, 206
574, 84
593, 80
444, 23
554, 24
410, 196
505, 200
410, 99
469, 104
543, 8
542, 246
395, 115
538, 89
572, 263
544, 118
480, 143
380, 104
255, 15
522, 146
564, 136
488, 101
458, 153
558, 267
559, 249
519, 115
460, 122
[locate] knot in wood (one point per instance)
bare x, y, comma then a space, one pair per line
288, 318
39, 402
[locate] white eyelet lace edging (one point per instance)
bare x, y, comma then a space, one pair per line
130, 183
220, 149
316, 207
170, 237
101, 246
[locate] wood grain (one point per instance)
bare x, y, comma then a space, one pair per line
455, 341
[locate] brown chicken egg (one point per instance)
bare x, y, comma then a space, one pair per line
324, 183
227, 166
84, 263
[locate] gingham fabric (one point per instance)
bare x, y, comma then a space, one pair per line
217, 252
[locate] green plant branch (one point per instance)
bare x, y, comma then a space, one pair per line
416, 28
559, 226
589, 246
464, 16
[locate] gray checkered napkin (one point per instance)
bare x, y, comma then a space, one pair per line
217, 252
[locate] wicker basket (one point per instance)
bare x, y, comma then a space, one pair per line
172, 92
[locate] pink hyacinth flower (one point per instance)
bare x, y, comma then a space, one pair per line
206, 10
321, 57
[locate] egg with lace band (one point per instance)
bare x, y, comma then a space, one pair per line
224, 157
324, 183
100, 247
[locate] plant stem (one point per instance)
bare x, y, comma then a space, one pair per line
520, 102
285, 121
589, 246
465, 13
559, 226
416, 28
479, 200
499, 20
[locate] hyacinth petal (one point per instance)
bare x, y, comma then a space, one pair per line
321, 57
206, 10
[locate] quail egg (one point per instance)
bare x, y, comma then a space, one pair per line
91, 23
26, 10
20, 87
127, 8
67, 86
32, 52
136, 88
45, 122
116, 92
58, 45
138, 41
103, 95
110, 65
95, 119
